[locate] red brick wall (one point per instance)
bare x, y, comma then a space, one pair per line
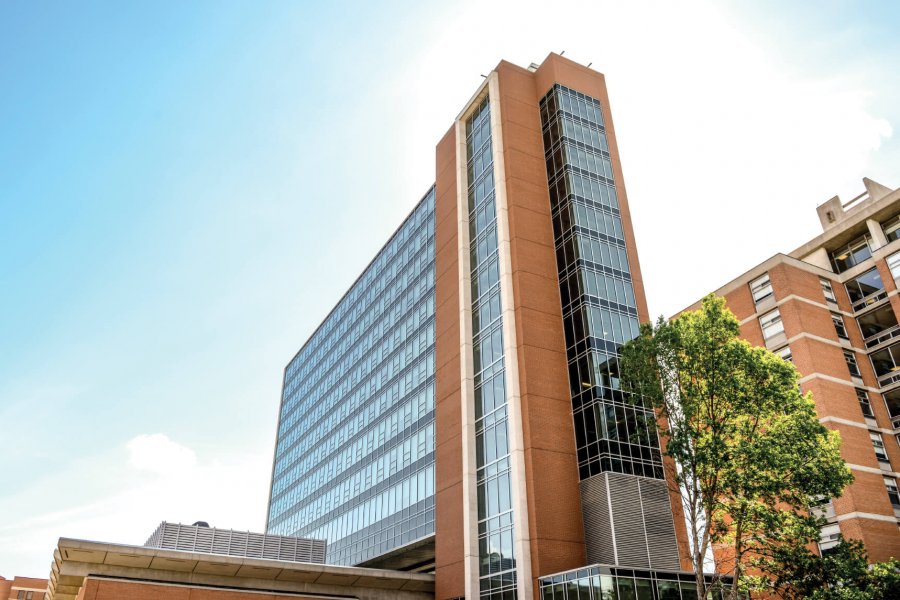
833, 399
107, 589
449, 539
551, 466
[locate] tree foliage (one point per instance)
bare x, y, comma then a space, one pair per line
841, 574
751, 456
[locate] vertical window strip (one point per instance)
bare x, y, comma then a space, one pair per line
599, 308
497, 566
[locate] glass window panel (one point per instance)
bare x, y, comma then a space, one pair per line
643, 589
668, 590
626, 588
771, 324
761, 288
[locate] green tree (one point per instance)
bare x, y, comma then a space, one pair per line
750, 454
841, 574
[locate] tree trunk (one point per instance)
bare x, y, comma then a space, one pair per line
738, 535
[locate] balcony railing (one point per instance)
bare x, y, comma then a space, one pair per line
869, 300
882, 336
889, 378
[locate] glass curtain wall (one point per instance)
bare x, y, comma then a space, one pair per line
610, 583
354, 457
598, 303
497, 566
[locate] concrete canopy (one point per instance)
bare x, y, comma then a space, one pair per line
77, 560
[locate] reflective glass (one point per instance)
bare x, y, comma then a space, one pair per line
354, 457
612, 431
495, 527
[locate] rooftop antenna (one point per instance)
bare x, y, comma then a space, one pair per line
589, 64
563, 52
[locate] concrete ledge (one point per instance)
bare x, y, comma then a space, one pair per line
76, 560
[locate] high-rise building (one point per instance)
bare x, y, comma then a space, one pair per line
459, 409
831, 306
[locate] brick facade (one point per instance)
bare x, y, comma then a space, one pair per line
865, 511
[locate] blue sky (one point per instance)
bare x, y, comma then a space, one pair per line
187, 188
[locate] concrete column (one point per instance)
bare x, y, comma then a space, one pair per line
467, 370
521, 537
877, 233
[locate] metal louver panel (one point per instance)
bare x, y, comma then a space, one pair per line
597, 527
192, 538
628, 522
659, 525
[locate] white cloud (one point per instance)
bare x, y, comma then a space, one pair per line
158, 454
123, 496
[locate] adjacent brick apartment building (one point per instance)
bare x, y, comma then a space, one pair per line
23, 588
458, 410
831, 306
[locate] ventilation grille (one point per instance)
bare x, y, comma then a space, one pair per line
628, 522
659, 524
597, 531
191, 538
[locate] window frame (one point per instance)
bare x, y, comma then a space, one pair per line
891, 267
840, 326
828, 289
850, 359
785, 353
851, 249
768, 321
865, 404
894, 225
828, 531
878, 444
893, 492
864, 300
762, 283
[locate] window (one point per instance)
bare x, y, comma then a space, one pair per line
771, 324
865, 289
822, 507
838, 321
891, 228
851, 363
829, 291
785, 354
863, 397
892, 403
21, 595
761, 288
886, 363
893, 263
829, 537
893, 493
29, 596
878, 326
878, 445
851, 255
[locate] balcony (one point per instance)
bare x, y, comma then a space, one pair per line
892, 401
888, 379
879, 326
852, 254
884, 336
886, 363
865, 290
